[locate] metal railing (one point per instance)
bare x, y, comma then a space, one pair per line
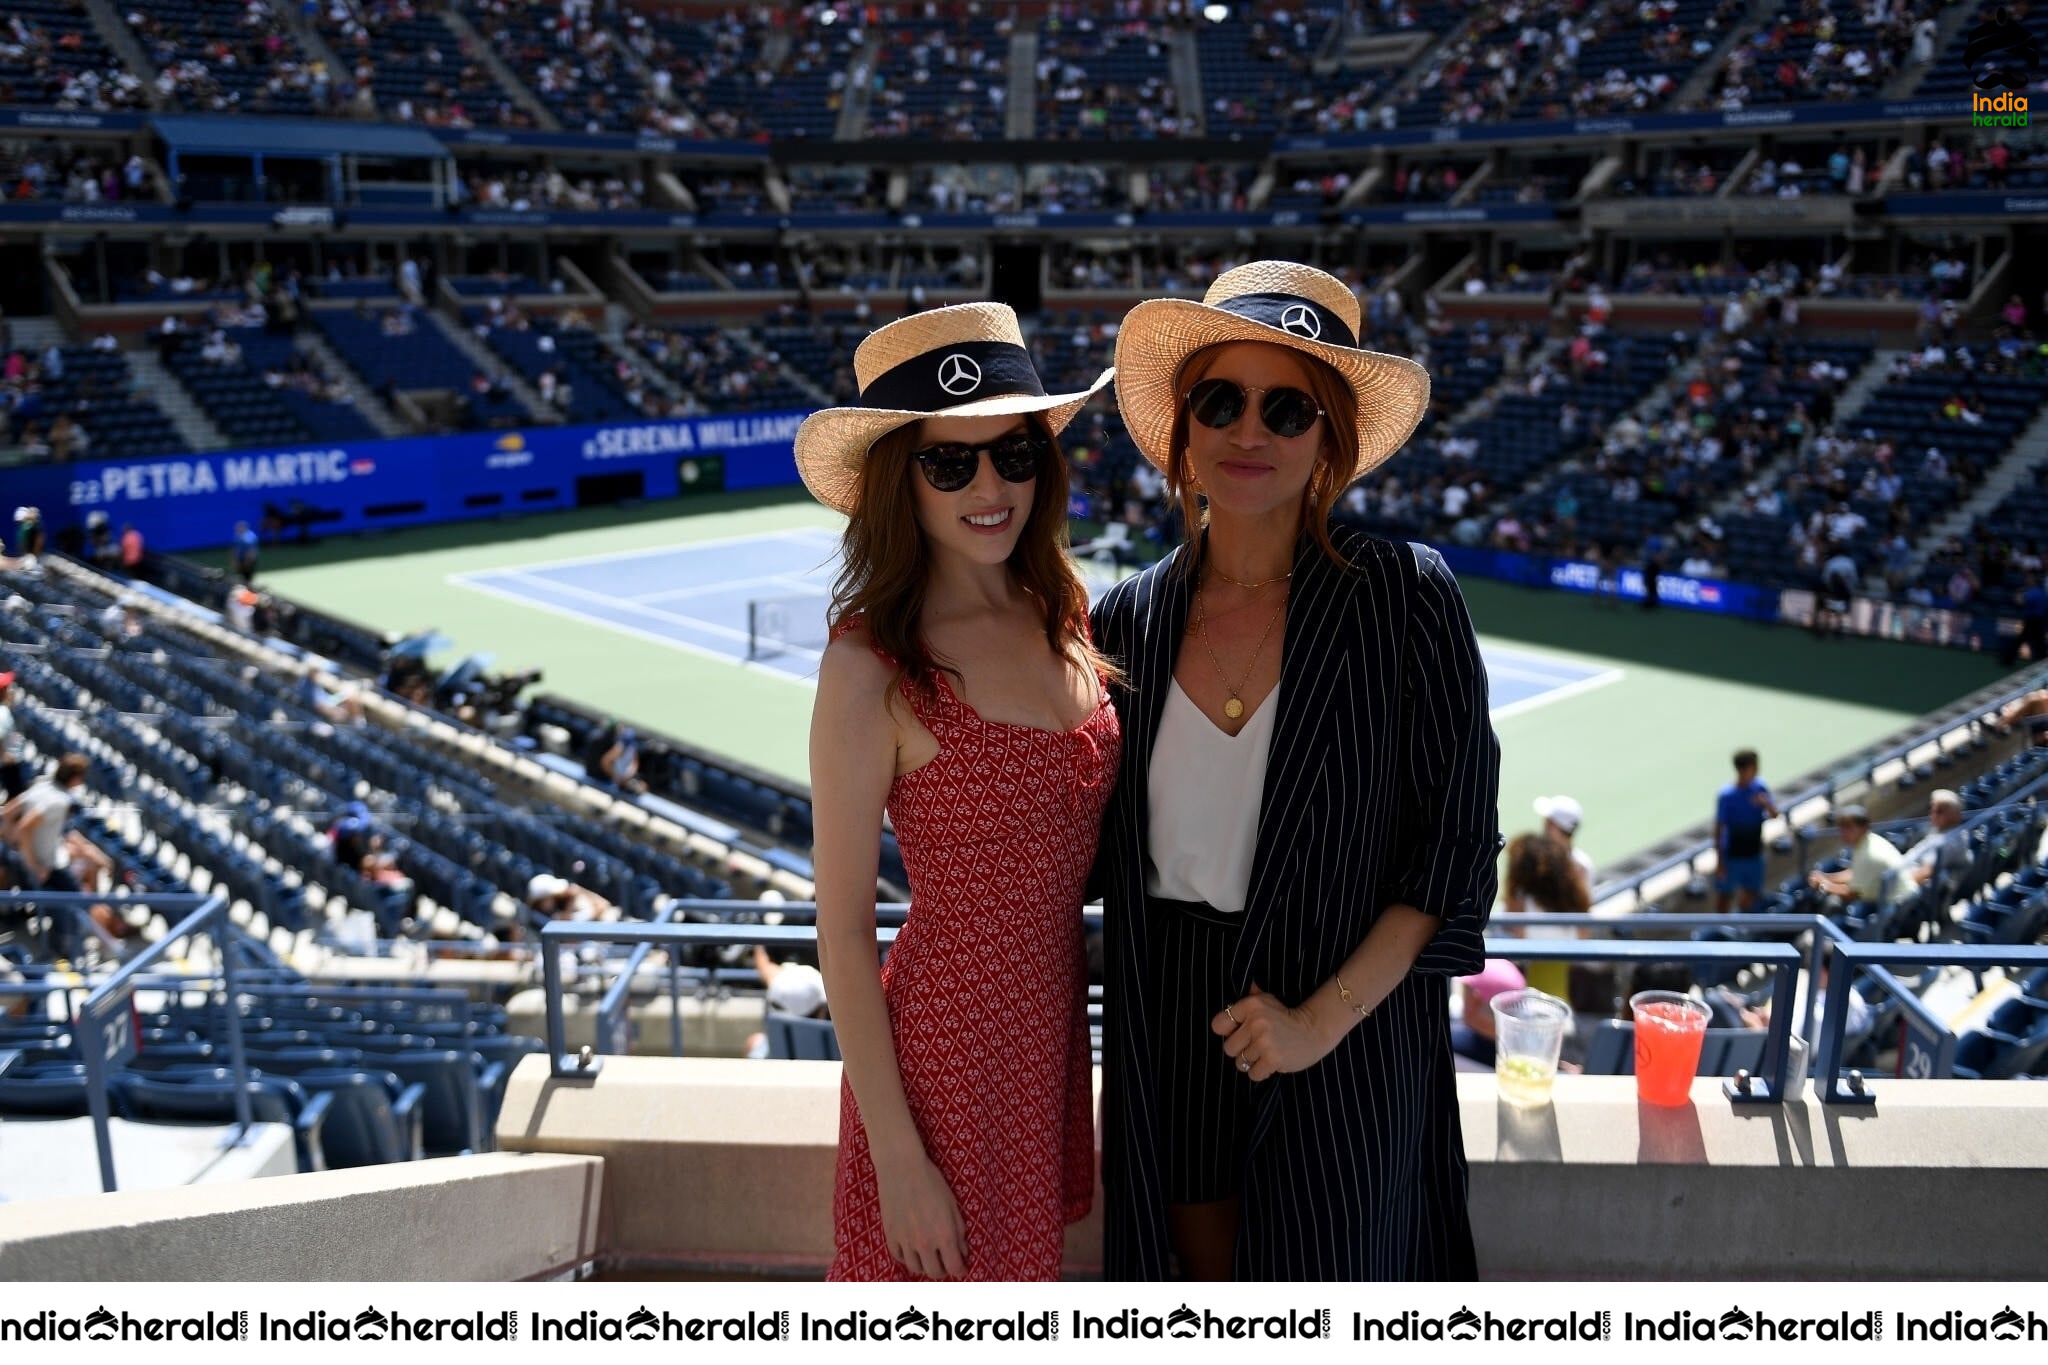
1785, 960
102, 1027
1873, 958
1632, 885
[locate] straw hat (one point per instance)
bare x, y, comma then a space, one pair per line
965, 361
1280, 302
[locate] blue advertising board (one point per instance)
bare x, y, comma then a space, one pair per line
1577, 575
193, 501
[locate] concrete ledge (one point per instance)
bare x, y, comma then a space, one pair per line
492, 1217
721, 1165
1598, 1186
710, 1164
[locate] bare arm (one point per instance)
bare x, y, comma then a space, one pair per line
854, 742
24, 827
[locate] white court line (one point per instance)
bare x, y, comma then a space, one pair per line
1542, 699
1576, 664
652, 637
805, 533
1505, 670
792, 587
687, 622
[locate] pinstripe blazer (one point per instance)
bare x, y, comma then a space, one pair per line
1381, 788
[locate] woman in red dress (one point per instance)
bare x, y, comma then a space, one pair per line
961, 695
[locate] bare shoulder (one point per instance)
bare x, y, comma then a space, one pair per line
851, 672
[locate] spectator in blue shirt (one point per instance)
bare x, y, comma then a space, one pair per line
245, 547
2033, 636
1739, 815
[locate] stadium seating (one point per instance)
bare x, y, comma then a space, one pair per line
98, 392
416, 68
933, 78
421, 358
1107, 79
249, 409
576, 65
227, 56
74, 68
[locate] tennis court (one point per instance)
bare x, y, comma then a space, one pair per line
643, 613
760, 600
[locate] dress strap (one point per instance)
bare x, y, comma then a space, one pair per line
853, 623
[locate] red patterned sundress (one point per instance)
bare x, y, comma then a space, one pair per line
986, 987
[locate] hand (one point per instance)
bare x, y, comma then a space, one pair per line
921, 1219
1270, 1036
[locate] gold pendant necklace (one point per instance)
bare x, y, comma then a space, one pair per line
1233, 704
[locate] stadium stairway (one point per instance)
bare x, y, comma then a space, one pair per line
1862, 385
339, 371
1694, 88
176, 401
1953, 21
480, 50
484, 358
115, 33
2017, 468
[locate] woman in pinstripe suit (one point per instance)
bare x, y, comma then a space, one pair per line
1300, 854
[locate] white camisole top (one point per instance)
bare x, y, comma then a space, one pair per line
1206, 791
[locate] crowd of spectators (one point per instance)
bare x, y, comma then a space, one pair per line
40, 416
569, 58
1102, 76
55, 57
714, 370
1201, 188
238, 57
694, 68
410, 65
523, 189
78, 175
938, 80
1826, 49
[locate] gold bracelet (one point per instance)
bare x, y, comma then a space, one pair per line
1362, 1011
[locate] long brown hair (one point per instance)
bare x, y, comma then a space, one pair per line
886, 563
1336, 455
1540, 867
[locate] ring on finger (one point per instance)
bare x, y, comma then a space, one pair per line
1244, 1064
1235, 1021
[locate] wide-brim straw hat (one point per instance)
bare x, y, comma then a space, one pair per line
1280, 302
965, 361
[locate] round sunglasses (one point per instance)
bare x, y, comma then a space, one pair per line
1218, 403
1017, 457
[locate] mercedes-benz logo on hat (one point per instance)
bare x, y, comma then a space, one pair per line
1301, 320
958, 374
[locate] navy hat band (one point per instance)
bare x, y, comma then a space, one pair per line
949, 376
1294, 314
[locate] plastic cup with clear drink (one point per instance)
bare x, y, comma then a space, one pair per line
1528, 1028
1669, 1031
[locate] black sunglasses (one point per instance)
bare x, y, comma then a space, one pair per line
1018, 457
1217, 403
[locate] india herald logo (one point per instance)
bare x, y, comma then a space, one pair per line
958, 374
1301, 320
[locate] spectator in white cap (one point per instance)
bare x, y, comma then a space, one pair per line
560, 898
1562, 816
1945, 852
793, 988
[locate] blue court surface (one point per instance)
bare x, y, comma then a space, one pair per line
759, 601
